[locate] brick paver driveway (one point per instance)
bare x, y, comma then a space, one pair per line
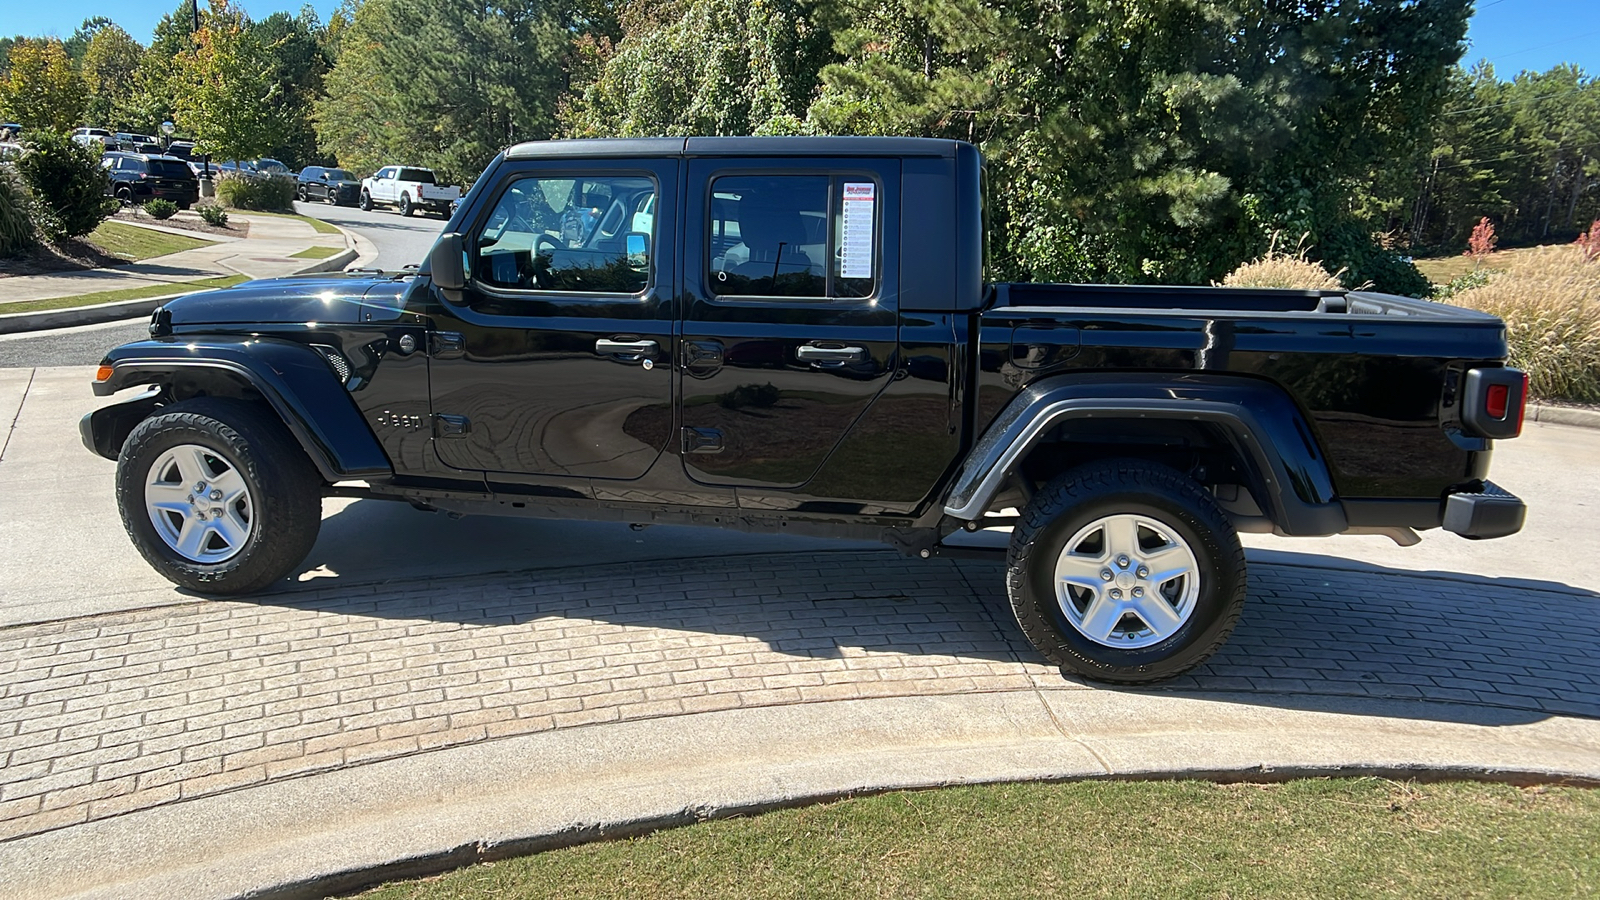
107, 714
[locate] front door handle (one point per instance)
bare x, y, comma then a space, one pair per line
815, 353
626, 349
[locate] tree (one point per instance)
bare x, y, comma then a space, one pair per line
297, 65
42, 89
1156, 141
717, 67
111, 74
78, 44
447, 82
223, 90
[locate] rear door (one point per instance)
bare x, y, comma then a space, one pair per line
790, 332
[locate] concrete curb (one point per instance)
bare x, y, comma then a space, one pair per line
13, 323
341, 830
1564, 415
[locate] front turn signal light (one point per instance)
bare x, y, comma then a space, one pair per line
102, 374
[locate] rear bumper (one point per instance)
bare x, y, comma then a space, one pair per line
1491, 513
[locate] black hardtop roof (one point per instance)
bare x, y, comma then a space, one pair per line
645, 148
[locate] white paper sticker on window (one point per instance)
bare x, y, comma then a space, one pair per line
860, 207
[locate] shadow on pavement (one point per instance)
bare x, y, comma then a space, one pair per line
1314, 634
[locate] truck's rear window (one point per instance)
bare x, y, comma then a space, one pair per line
419, 175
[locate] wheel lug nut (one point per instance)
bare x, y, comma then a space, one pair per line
1105, 575
1143, 571
200, 488
1138, 592
1122, 562
217, 495
1116, 594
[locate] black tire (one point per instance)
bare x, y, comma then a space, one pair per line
285, 492
305, 195
331, 198
366, 202
1073, 502
125, 196
405, 204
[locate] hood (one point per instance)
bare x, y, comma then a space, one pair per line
333, 299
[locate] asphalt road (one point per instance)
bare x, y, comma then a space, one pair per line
400, 241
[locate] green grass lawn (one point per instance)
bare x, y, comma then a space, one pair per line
1319, 838
317, 252
153, 290
133, 243
1445, 269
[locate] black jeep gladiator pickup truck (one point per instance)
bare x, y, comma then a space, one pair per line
794, 334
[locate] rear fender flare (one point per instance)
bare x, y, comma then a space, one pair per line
292, 378
1267, 430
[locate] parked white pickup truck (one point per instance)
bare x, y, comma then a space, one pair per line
408, 188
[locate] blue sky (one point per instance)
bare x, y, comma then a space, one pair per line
1513, 34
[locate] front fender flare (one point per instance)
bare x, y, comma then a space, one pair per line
294, 379
1268, 432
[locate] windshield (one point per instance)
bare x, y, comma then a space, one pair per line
270, 165
339, 175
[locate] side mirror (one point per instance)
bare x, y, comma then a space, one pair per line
445, 263
637, 246
324, 176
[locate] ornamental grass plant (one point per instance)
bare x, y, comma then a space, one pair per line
1550, 301
1278, 269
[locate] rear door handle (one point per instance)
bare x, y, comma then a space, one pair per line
815, 353
626, 349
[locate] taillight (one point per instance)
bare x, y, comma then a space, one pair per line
1495, 403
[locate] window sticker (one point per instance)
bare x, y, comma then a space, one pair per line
860, 208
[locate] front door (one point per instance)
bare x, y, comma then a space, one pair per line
791, 326
556, 366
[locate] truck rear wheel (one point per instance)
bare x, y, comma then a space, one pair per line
405, 204
1125, 571
217, 496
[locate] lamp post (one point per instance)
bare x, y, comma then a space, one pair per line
167, 128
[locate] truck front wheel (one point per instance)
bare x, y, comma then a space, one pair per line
217, 496
366, 202
1125, 571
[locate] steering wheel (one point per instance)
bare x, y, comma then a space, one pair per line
543, 239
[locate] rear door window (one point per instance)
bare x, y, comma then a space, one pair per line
170, 168
422, 176
794, 236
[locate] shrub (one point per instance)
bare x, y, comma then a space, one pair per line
1550, 301
244, 192
16, 216
161, 209
69, 184
1482, 241
1369, 266
213, 214
1589, 242
1475, 279
1282, 270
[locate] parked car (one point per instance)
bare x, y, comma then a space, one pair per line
793, 335
137, 177
408, 188
334, 186
93, 137
128, 142
181, 149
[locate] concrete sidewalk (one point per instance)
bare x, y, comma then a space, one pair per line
267, 252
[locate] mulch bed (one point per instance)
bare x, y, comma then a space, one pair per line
187, 219
64, 256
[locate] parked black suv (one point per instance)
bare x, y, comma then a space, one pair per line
138, 177
334, 186
793, 335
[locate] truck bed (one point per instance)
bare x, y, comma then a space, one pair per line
1222, 300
